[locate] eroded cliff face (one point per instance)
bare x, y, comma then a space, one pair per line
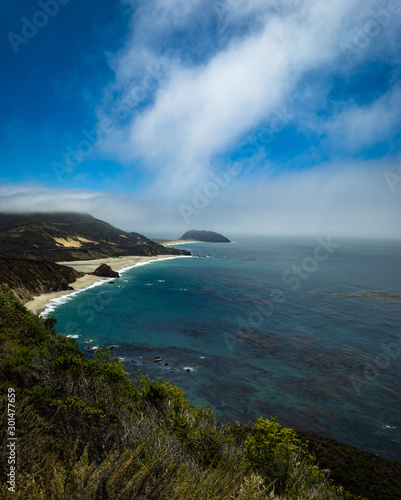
30, 277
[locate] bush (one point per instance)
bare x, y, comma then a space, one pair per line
87, 431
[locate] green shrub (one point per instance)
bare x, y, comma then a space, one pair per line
88, 431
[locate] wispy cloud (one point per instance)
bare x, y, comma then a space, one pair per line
338, 199
358, 126
195, 82
201, 107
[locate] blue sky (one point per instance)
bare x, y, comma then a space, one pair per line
234, 115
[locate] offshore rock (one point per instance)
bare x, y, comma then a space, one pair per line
204, 236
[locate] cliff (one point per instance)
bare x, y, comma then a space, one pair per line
28, 277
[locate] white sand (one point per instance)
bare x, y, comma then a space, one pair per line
88, 266
178, 242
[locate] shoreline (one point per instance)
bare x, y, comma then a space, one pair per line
167, 243
42, 302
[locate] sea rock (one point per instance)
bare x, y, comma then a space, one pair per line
105, 271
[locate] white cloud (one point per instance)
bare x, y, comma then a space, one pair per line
195, 109
189, 103
365, 125
338, 199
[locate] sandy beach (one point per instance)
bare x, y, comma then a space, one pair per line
175, 242
88, 266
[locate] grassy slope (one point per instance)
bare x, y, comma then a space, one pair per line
34, 235
29, 277
85, 431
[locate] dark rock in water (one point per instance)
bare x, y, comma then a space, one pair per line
204, 236
111, 282
166, 364
157, 360
157, 357
105, 271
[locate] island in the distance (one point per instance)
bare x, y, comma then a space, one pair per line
204, 236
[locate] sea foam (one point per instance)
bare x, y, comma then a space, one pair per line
54, 303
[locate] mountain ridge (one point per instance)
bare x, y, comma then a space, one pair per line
67, 236
31, 244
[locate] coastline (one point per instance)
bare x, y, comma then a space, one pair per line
120, 264
168, 243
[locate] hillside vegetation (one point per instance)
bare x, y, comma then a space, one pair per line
65, 236
87, 431
30, 277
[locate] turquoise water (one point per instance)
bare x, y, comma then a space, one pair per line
305, 331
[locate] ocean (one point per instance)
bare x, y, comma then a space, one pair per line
306, 330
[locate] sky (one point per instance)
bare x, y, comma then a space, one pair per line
239, 116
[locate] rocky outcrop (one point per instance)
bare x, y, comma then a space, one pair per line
105, 271
28, 278
210, 236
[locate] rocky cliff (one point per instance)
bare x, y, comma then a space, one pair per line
31, 277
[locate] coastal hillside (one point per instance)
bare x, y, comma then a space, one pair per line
210, 236
31, 277
87, 431
66, 236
